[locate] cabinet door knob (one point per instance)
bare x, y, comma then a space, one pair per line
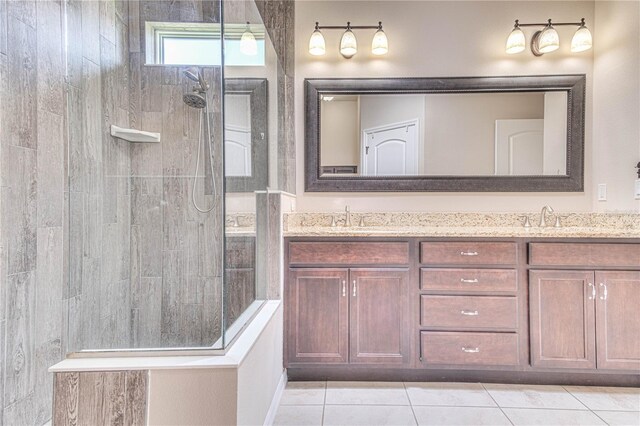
469, 313
354, 288
470, 350
344, 288
468, 253
473, 281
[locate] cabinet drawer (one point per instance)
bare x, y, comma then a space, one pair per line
579, 254
469, 348
471, 253
469, 280
349, 253
469, 312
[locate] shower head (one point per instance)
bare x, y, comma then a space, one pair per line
194, 74
195, 100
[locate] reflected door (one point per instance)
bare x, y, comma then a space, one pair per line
391, 150
520, 147
237, 151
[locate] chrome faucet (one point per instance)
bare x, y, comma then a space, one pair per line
347, 219
543, 214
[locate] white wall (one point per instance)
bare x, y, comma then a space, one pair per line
431, 39
616, 102
260, 373
339, 133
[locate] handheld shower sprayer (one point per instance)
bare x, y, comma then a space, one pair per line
198, 99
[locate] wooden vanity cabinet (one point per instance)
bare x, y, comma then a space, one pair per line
585, 319
355, 314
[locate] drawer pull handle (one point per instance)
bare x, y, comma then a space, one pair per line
344, 288
355, 289
593, 291
473, 281
470, 350
468, 253
469, 313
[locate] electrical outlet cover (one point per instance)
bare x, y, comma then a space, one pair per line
602, 192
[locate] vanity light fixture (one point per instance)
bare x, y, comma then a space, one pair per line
547, 39
248, 43
348, 41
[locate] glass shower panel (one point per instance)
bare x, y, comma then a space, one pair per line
146, 220
251, 70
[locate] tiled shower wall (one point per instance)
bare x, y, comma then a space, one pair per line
176, 268
32, 146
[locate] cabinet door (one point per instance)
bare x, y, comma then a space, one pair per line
379, 327
317, 316
562, 316
618, 320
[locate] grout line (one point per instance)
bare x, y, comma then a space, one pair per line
404, 385
496, 402
324, 403
603, 420
577, 399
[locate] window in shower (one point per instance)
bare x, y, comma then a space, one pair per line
199, 44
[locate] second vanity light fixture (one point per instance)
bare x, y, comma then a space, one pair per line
547, 40
348, 42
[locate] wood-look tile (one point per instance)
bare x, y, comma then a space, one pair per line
66, 401
102, 398
171, 296
50, 67
20, 221
3, 29
122, 66
91, 30
47, 354
20, 351
136, 398
19, 116
48, 297
108, 19
134, 25
150, 88
74, 42
21, 412
50, 167
23, 10
212, 310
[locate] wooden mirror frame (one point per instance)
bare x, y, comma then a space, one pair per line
256, 89
573, 181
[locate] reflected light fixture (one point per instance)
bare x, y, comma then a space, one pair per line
547, 40
248, 43
348, 41
316, 43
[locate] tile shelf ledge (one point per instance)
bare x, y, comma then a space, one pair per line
134, 135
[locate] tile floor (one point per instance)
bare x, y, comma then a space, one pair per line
378, 403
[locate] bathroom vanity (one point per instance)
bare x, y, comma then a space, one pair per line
517, 309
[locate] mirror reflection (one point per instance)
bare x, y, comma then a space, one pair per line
444, 134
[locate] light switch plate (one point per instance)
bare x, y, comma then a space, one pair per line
637, 189
602, 192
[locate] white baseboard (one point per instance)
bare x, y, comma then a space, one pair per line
275, 402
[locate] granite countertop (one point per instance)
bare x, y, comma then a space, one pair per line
575, 225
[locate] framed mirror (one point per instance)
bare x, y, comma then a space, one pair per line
461, 134
246, 142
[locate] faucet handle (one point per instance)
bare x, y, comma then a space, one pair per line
333, 221
527, 222
361, 224
559, 218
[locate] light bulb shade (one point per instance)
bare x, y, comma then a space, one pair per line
581, 40
316, 44
516, 42
548, 40
248, 43
380, 44
348, 44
